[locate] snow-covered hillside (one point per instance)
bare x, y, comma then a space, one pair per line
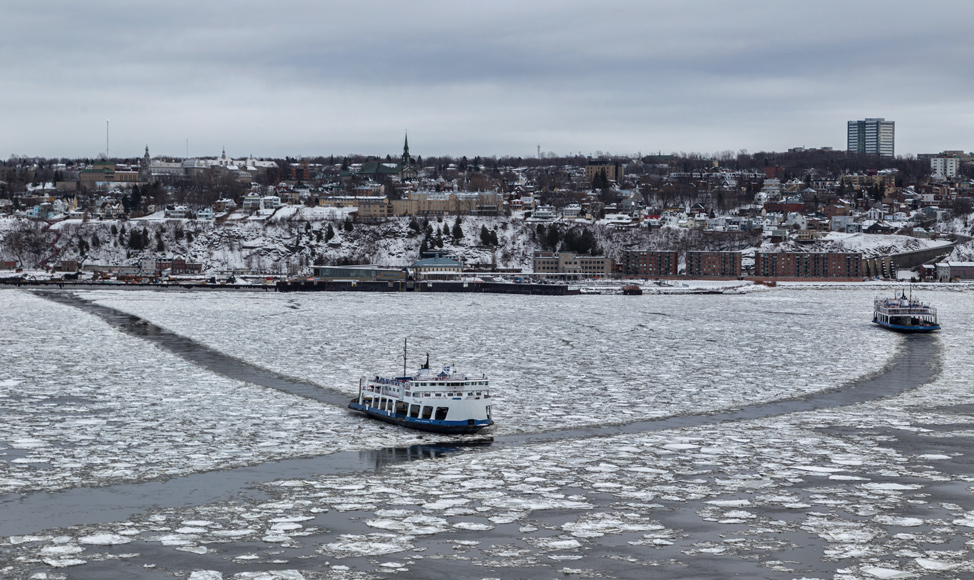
292, 239
870, 245
287, 241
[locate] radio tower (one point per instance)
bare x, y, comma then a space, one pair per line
539, 150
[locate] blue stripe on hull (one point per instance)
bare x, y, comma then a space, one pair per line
907, 328
432, 425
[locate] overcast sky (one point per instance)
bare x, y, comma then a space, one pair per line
304, 78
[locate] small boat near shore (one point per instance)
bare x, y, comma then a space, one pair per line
439, 401
632, 290
905, 314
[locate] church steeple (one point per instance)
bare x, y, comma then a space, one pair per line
145, 161
406, 171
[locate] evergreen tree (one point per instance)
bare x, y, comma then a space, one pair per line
329, 234
348, 224
552, 237
95, 242
484, 235
414, 225
160, 246
135, 241
493, 238
457, 231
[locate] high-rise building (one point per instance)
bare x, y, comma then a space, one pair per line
871, 136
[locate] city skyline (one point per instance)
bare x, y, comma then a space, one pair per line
307, 79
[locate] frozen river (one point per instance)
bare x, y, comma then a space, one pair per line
871, 489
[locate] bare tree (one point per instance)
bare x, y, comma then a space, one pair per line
27, 242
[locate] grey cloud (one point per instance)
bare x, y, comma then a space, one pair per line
318, 78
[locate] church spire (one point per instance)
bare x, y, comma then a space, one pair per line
406, 170
406, 161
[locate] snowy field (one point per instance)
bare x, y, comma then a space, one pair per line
878, 490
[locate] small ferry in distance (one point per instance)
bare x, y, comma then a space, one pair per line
905, 314
440, 401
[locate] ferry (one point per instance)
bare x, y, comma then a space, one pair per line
905, 314
440, 401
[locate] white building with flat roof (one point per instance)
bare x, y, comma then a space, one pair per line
944, 167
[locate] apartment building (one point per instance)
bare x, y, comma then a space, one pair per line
713, 264
808, 264
650, 263
873, 136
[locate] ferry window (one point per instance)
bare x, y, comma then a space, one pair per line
414, 411
488, 411
402, 408
427, 412
441, 413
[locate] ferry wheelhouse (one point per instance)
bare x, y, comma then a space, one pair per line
905, 314
441, 401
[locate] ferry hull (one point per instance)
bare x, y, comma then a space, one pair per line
909, 329
430, 425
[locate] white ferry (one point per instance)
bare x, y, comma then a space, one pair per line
442, 401
905, 314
